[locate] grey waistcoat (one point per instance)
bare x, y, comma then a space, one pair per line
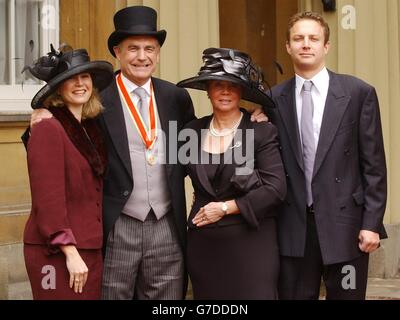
150, 189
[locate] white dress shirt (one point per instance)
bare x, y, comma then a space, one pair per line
130, 86
319, 92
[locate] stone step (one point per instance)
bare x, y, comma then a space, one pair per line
20, 291
383, 289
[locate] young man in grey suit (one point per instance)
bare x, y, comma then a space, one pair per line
332, 148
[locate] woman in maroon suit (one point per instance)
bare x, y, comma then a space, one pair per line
66, 163
238, 180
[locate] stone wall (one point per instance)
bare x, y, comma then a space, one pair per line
14, 283
385, 262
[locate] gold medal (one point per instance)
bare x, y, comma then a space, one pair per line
151, 159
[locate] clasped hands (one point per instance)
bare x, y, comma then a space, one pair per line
210, 213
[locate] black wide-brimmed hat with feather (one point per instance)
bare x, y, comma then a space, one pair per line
135, 21
234, 66
58, 66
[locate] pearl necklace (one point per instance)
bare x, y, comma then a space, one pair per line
224, 132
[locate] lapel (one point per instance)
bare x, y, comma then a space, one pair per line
335, 107
115, 122
166, 114
227, 168
200, 168
238, 145
205, 182
286, 106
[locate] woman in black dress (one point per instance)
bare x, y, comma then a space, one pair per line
239, 181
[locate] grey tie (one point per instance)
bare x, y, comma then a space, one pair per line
143, 106
307, 137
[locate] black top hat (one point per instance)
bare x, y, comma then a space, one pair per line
135, 21
234, 66
57, 66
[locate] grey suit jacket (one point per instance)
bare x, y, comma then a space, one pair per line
349, 179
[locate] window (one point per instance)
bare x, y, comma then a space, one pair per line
27, 27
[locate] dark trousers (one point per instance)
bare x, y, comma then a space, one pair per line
300, 278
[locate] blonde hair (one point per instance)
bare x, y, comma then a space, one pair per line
90, 109
308, 16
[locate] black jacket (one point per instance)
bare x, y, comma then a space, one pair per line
258, 193
174, 104
349, 179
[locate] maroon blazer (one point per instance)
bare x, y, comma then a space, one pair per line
66, 192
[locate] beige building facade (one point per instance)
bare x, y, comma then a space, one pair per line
365, 42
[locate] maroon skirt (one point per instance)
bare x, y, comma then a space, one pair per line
49, 275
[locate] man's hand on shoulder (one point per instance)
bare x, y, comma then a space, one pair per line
38, 115
258, 116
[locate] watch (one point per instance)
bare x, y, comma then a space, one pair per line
224, 208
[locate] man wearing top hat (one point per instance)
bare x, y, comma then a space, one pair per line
144, 199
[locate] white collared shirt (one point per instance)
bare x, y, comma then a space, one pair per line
130, 86
319, 92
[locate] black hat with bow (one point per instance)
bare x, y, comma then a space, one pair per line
58, 66
234, 66
135, 21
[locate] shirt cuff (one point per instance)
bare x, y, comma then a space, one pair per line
61, 238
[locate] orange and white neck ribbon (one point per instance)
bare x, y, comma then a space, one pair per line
148, 136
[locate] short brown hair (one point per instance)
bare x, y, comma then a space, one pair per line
308, 15
90, 109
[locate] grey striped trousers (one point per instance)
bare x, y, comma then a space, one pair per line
143, 260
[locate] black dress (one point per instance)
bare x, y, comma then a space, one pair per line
234, 258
